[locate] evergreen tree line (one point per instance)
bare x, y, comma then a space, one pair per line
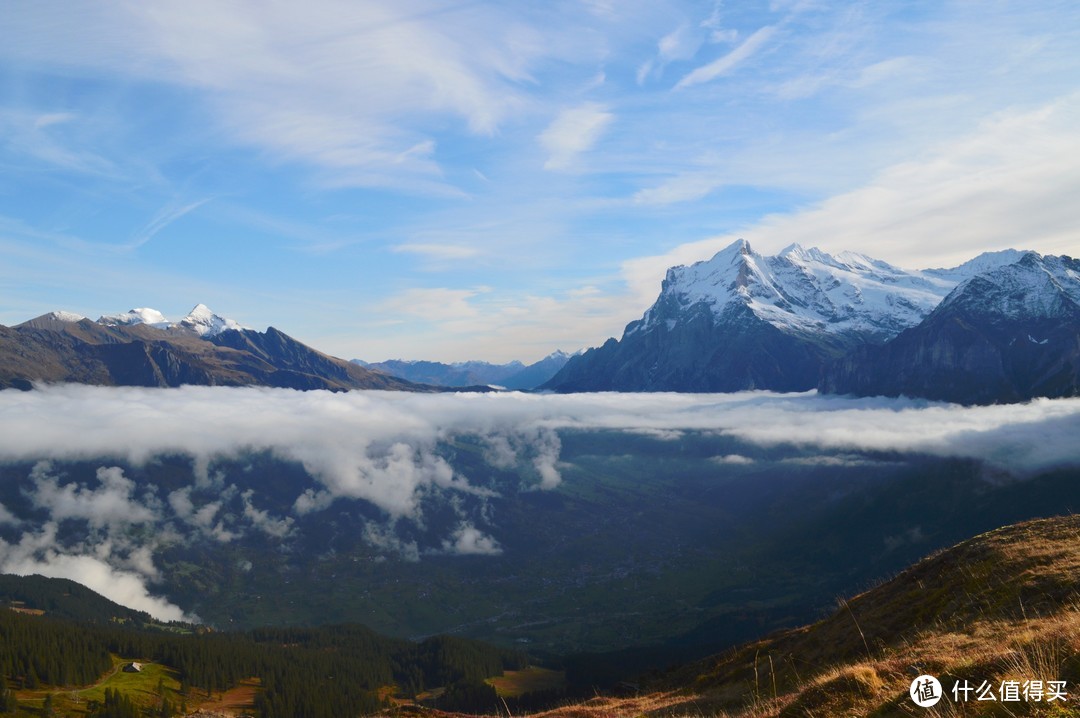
316, 672
61, 597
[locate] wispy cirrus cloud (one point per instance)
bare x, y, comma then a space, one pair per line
51, 138
725, 64
574, 131
167, 215
380, 68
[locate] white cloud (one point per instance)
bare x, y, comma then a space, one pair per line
380, 446
573, 132
165, 216
51, 138
41, 553
685, 187
728, 62
6, 517
497, 325
682, 43
340, 86
436, 304
123, 587
468, 540
383, 448
109, 505
737, 459
383, 537
262, 520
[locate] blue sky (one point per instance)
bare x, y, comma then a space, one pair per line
495, 180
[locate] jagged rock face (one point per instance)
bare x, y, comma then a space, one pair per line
1007, 335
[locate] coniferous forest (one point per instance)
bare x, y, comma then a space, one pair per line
327, 671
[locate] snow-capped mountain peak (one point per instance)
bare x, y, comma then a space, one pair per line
802, 289
204, 322
200, 320
62, 316
139, 315
1033, 287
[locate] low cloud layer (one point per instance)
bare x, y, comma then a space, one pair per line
381, 446
387, 449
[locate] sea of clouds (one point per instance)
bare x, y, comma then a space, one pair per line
382, 448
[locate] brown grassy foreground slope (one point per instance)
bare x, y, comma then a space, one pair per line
1000, 607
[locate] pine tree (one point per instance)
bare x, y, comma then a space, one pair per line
8, 703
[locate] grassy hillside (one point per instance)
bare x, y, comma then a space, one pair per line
1002, 607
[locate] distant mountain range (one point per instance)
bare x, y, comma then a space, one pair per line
142, 348
513, 375
1004, 326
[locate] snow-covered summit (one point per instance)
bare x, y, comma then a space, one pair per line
804, 289
200, 320
62, 316
139, 315
205, 323
1036, 286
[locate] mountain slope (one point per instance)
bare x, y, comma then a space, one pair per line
742, 320
64, 599
1008, 334
1000, 607
140, 348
